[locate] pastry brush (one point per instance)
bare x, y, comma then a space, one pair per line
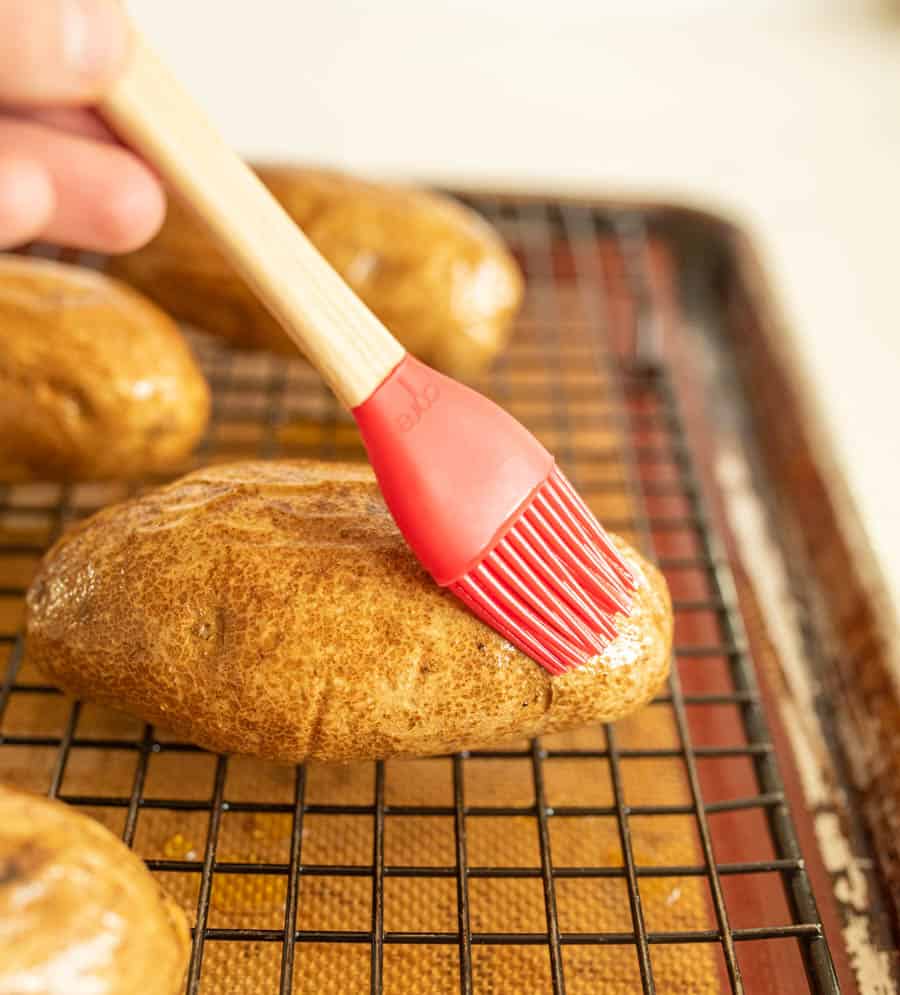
479, 500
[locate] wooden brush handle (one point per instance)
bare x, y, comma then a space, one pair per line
346, 343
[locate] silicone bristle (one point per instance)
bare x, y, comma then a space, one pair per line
554, 582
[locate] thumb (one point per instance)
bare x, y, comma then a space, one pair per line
60, 51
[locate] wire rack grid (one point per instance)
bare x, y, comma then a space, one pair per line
612, 416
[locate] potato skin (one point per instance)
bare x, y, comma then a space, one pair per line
80, 914
274, 609
95, 381
436, 274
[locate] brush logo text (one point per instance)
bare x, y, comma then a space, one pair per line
422, 399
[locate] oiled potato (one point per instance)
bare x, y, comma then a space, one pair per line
435, 273
274, 609
95, 381
80, 914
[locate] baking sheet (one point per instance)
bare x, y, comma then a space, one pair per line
655, 856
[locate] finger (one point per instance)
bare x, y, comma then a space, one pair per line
27, 200
74, 120
60, 51
106, 199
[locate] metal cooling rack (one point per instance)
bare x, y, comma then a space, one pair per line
574, 257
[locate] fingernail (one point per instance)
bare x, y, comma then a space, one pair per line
95, 38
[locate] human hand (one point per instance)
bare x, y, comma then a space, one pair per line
64, 177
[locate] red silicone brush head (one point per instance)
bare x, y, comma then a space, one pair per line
489, 515
553, 583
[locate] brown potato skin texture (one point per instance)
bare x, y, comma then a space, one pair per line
95, 381
273, 609
80, 912
433, 271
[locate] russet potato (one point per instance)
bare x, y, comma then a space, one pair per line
80, 914
273, 609
95, 381
433, 271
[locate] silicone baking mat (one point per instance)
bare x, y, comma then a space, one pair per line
657, 855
